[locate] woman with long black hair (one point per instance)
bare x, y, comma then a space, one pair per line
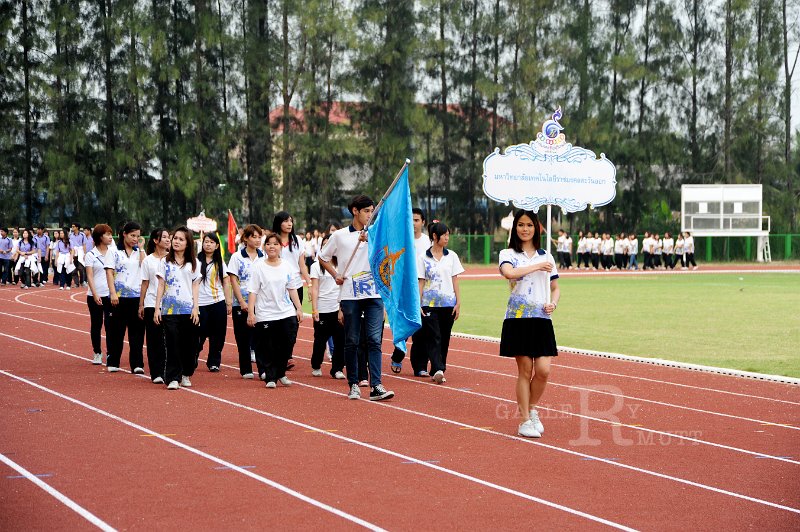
239, 268
26, 258
125, 300
293, 254
157, 248
215, 301
176, 306
325, 312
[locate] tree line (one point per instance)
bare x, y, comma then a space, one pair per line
157, 109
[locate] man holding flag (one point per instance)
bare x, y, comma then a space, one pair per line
360, 302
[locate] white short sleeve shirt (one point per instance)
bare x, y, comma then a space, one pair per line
358, 281
240, 266
212, 290
270, 285
328, 299
99, 263
149, 270
177, 299
529, 292
438, 274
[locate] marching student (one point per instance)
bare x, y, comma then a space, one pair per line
239, 268
440, 299
358, 296
608, 251
127, 264
559, 242
619, 251
215, 302
595, 250
52, 262
658, 247
688, 246
64, 265
310, 249
274, 310
6, 248
669, 251
528, 328
325, 313
42, 241
27, 258
567, 251
14, 255
176, 307
647, 248
99, 268
680, 252
581, 250
157, 248
78, 243
421, 244
633, 250
294, 255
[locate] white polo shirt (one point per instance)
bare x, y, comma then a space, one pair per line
529, 292
240, 266
358, 281
212, 290
292, 259
328, 299
149, 270
438, 274
128, 274
99, 263
422, 244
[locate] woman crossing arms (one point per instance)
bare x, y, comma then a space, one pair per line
440, 297
176, 306
157, 248
274, 310
214, 300
528, 329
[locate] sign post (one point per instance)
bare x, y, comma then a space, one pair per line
549, 171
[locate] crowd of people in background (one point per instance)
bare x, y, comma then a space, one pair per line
605, 252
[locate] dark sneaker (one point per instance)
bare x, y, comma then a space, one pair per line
379, 393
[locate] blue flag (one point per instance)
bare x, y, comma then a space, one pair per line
393, 262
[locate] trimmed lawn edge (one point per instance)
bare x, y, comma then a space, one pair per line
655, 361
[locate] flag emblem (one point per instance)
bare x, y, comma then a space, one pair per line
386, 268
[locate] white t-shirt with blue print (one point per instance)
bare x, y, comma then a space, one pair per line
438, 274
177, 299
128, 273
529, 292
241, 266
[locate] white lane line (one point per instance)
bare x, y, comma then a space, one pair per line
576, 273
306, 427
57, 495
613, 463
271, 483
642, 429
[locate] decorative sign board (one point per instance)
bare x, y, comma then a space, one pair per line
549, 171
202, 224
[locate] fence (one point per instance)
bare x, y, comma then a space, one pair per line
482, 249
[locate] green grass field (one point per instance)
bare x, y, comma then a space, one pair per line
749, 322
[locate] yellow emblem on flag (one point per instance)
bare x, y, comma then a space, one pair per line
386, 269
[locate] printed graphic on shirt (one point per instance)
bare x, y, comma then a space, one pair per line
175, 300
433, 293
363, 284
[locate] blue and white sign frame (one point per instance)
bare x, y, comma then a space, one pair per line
549, 171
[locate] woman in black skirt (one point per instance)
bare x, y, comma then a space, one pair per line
528, 329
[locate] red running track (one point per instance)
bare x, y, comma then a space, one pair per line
627, 445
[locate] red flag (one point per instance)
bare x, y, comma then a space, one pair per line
232, 232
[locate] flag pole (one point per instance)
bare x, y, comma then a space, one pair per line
549, 221
374, 212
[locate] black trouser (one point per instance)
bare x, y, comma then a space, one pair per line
676, 258
618, 261
586, 257
608, 262
328, 326
560, 255
96, 315
25, 272
648, 260
80, 272
273, 346
63, 278
595, 260
214, 326
125, 317
244, 339
690, 260
417, 345
293, 337
155, 344
656, 260
567, 259
437, 323
5, 271
180, 346
40, 278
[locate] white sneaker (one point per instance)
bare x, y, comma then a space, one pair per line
364, 383
536, 422
316, 373
355, 393
173, 385
69, 288
339, 375
97, 359
285, 381
60, 287
528, 430
252, 356
185, 382
112, 369
438, 377
271, 384
158, 380
138, 371
263, 376
248, 376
